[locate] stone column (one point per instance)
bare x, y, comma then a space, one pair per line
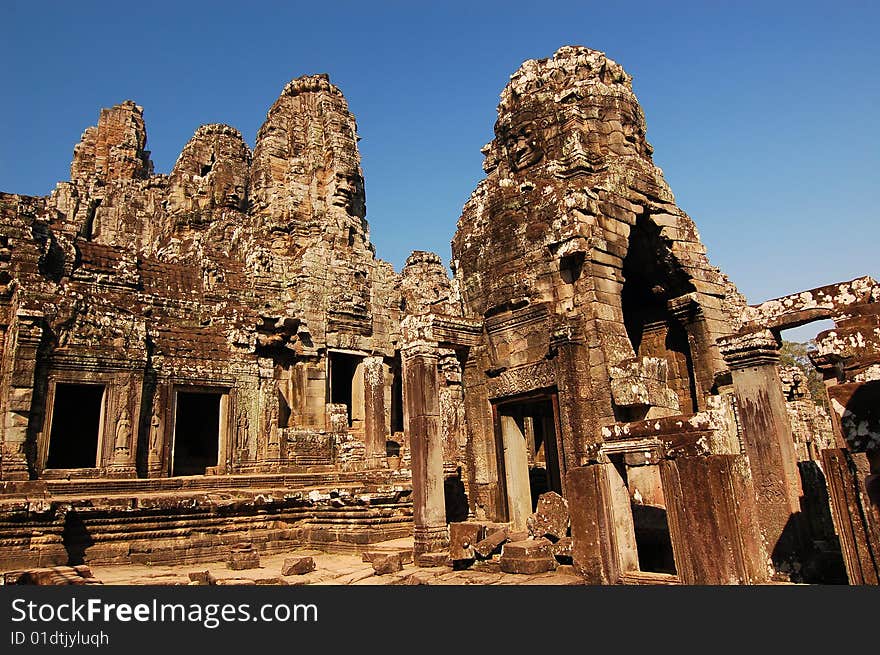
421, 395
766, 430
704, 356
576, 399
374, 410
27, 333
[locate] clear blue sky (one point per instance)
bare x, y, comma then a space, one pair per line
763, 115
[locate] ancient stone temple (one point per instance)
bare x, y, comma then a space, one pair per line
216, 355
227, 321
612, 374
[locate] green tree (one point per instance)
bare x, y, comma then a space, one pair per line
793, 353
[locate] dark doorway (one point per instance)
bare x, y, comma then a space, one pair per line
76, 425
283, 411
196, 432
652, 278
341, 380
396, 395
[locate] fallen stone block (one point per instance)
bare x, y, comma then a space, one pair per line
530, 556
491, 543
487, 566
270, 581
298, 565
550, 518
462, 538
236, 582
406, 554
53, 575
428, 560
386, 563
202, 577
562, 550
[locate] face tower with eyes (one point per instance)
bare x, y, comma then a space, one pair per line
521, 143
345, 191
307, 144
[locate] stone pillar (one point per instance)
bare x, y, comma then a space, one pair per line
766, 430
121, 441
375, 434
712, 496
578, 426
704, 354
158, 450
27, 333
592, 524
421, 395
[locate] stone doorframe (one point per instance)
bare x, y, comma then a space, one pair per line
514, 496
225, 429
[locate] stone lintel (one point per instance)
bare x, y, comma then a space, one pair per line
815, 304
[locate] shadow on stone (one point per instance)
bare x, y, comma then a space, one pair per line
456, 499
76, 539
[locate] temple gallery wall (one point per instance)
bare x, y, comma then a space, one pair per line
216, 356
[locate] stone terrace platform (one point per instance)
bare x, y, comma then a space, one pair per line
330, 569
199, 518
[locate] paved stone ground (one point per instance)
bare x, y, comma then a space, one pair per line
331, 569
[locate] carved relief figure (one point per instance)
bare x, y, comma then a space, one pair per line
123, 430
155, 428
242, 438
273, 422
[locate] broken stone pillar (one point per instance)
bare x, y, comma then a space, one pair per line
766, 430
847, 474
462, 539
529, 556
423, 411
375, 434
550, 518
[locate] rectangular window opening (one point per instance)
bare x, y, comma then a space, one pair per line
196, 432
76, 426
345, 388
396, 395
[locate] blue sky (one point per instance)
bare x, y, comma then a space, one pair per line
763, 116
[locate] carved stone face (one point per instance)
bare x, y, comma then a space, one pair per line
522, 144
344, 190
212, 172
